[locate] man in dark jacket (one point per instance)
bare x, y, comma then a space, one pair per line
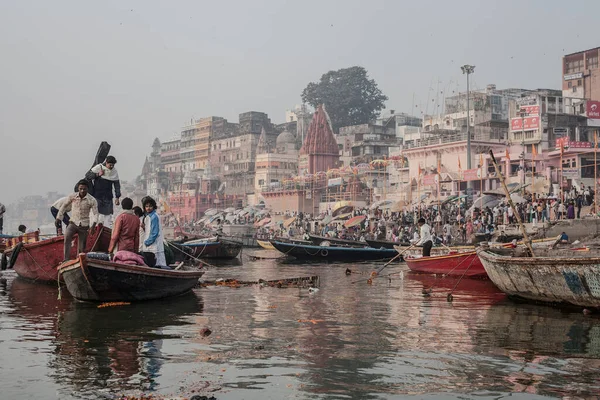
105, 178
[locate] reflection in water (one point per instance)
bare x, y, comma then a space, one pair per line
347, 340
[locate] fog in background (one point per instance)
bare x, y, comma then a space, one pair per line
74, 73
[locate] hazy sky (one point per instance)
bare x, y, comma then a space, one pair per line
74, 73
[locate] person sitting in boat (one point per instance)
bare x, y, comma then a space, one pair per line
126, 231
426, 240
82, 205
564, 238
152, 247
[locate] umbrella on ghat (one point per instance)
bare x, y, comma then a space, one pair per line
354, 221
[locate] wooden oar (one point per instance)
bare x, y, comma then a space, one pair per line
375, 273
188, 254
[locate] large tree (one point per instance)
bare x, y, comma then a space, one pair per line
350, 97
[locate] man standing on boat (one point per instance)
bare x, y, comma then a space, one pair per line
81, 203
54, 211
105, 178
426, 241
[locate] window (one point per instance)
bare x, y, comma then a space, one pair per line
592, 62
578, 82
574, 66
570, 84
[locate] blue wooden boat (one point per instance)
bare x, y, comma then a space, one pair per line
333, 253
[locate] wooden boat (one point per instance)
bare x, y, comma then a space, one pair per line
553, 276
379, 244
266, 244
89, 279
213, 248
333, 253
465, 264
39, 260
317, 240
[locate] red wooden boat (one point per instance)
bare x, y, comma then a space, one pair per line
465, 264
39, 260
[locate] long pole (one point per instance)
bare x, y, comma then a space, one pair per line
561, 174
481, 178
469, 184
595, 172
511, 204
523, 152
533, 153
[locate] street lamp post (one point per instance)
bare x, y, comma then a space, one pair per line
468, 70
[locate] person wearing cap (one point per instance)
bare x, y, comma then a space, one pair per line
425, 240
106, 178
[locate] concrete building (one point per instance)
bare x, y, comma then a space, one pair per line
581, 74
367, 142
274, 164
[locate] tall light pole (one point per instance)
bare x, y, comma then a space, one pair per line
468, 69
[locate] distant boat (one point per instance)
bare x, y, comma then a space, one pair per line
317, 240
266, 244
39, 261
562, 276
90, 279
333, 253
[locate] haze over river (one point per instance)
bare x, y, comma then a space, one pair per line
348, 340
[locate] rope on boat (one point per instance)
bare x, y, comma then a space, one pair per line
449, 297
191, 256
428, 291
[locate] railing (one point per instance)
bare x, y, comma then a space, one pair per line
452, 138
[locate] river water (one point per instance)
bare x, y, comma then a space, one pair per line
348, 340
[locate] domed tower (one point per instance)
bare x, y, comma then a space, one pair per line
286, 142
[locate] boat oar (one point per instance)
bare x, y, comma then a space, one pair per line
511, 204
375, 273
392, 260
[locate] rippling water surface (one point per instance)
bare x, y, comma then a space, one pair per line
348, 340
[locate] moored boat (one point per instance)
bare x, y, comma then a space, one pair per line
333, 253
317, 240
552, 276
211, 248
90, 279
378, 244
266, 244
39, 261
465, 264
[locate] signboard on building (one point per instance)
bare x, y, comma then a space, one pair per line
430, 179
531, 123
570, 173
531, 110
334, 182
472, 174
593, 109
565, 142
569, 77
527, 101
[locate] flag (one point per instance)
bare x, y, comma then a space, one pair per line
480, 160
533, 150
595, 139
507, 155
419, 170
459, 167
561, 150
439, 167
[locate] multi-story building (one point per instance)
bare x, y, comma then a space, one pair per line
366, 142
581, 74
275, 163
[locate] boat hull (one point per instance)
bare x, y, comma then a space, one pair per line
265, 244
461, 264
568, 280
39, 261
221, 249
104, 281
317, 240
333, 253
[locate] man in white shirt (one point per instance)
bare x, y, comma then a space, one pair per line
426, 240
82, 204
